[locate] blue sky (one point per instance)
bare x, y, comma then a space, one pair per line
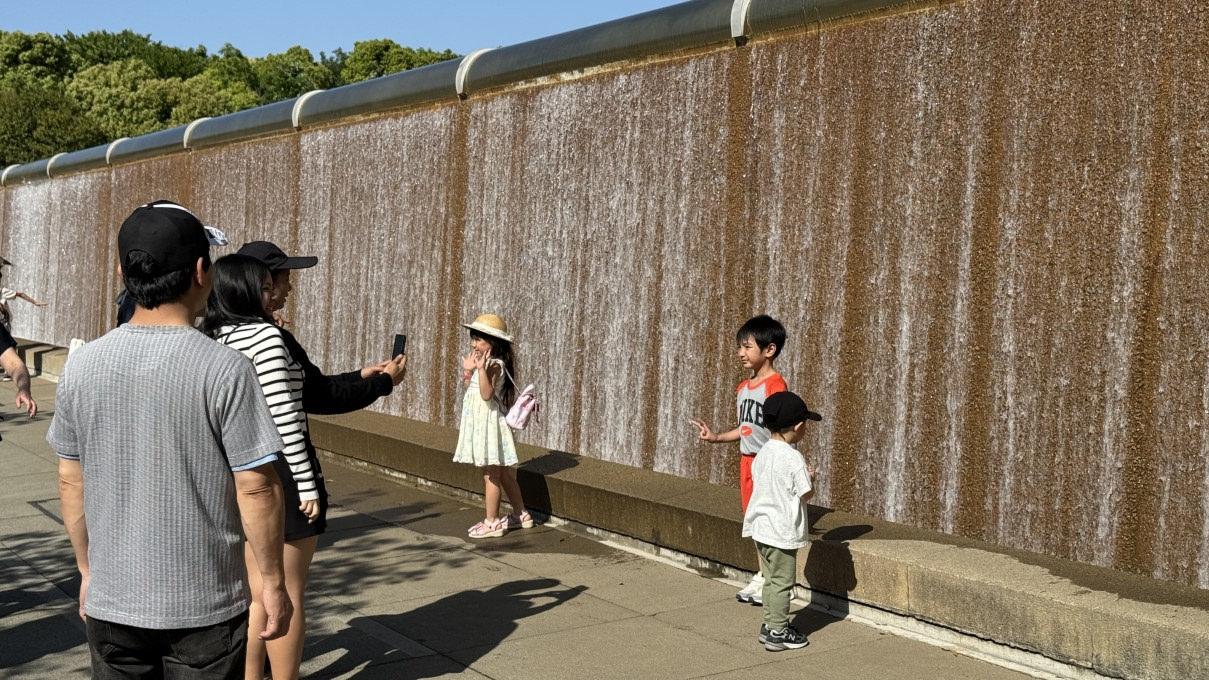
259, 27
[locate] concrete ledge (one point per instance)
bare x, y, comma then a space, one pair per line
44, 361
1112, 623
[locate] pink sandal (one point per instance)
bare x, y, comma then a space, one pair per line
522, 520
489, 528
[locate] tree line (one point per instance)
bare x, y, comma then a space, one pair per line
68, 92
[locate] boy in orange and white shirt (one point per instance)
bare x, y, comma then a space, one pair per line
760, 341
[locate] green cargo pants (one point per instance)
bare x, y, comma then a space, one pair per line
780, 568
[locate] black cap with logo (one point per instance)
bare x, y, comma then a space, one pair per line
276, 259
169, 234
783, 410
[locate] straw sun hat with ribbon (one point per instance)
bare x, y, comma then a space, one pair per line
490, 324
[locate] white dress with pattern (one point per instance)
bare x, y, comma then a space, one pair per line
484, 437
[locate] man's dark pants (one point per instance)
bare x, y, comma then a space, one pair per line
209, 653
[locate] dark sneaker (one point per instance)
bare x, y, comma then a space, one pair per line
763, 638
786, 638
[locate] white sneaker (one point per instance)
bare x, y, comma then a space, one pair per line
753, 592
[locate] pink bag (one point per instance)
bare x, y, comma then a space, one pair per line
526, 404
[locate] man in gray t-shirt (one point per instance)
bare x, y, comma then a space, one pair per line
165, 441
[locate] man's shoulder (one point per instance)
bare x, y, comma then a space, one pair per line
203, 352
223, 361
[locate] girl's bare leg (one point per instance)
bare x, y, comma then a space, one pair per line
492, 478
508, 478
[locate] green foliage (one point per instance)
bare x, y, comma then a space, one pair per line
290, 74
124, 98
204, 95
62, 93
41, 56
230, 67
376, 58
37, 121
334, 63
103, 47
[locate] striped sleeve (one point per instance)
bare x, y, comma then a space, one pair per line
264, 345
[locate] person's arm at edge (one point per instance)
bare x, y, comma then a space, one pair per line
15, 368
71, 508
258, 493
30, 300
334, 394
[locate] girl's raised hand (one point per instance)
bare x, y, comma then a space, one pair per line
481, 359
468, 361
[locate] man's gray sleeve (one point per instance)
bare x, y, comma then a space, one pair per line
62, 435
248, 433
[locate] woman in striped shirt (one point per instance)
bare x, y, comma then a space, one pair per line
236, 317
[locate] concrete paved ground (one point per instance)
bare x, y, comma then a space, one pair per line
397, 591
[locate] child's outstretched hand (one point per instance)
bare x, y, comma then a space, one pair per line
704, 433
811, 470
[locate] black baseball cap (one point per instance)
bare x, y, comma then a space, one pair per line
171, 235
783, 410
268, 253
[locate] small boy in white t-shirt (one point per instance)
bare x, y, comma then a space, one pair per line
776, 516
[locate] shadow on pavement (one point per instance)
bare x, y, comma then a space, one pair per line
830, 571
32, 640
477, 620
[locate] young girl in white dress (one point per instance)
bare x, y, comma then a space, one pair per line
484, 438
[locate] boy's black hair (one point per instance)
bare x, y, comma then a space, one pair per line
765, 330
151, 290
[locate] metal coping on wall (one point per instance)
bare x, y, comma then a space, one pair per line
775, 16
79, 161
424, 85
246, 124
683, 26
148, 145
687, 25
27, 172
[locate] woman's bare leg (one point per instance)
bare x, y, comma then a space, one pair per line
285, 653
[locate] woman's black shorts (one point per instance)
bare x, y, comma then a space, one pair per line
297, 527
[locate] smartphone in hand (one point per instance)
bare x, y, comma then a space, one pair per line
400, 345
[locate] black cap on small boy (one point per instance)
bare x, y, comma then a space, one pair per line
783, 410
